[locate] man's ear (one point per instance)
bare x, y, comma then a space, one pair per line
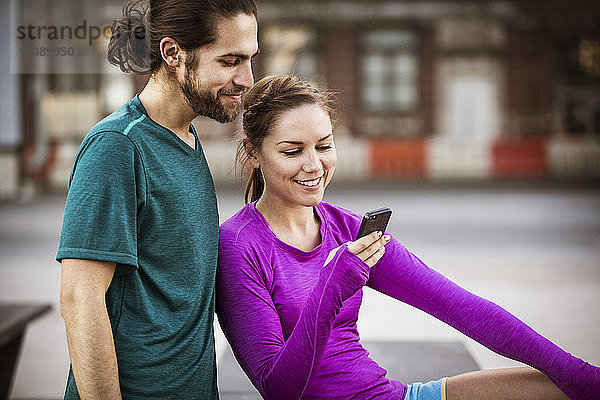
171, 52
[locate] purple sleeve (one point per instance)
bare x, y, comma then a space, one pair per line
403, 276
280, 368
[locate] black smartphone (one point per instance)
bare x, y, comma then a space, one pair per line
376, 220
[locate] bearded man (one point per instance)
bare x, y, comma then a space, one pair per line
138, 247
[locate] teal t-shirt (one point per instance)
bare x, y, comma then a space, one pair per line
142, 198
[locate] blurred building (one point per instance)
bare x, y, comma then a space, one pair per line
452, 89
430, 89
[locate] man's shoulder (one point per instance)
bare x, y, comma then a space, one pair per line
112, 136
108, 147
122, 120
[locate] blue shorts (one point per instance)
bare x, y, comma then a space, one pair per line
434, 390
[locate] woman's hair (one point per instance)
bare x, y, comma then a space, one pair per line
135, 37
263, 105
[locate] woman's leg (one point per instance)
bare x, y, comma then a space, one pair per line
523, 383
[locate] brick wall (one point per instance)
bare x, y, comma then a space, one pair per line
529, 83
339, 51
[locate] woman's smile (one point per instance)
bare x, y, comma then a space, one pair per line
311, 183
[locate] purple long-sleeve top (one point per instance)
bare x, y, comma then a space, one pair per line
290, 315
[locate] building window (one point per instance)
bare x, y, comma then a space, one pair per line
578, 67
390, 71
290, 49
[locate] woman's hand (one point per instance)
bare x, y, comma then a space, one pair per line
370, 248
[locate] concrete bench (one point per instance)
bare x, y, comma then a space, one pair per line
13, 321
405, 361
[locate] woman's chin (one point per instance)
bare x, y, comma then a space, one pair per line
313, 196
311, 201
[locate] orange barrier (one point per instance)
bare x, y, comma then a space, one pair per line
520, 157
394, 158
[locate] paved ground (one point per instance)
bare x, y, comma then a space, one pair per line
532, 248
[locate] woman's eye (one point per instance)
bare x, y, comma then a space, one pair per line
324, 148
291, 152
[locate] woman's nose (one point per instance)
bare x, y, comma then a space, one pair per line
312, 162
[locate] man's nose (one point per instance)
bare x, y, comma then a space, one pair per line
244, 76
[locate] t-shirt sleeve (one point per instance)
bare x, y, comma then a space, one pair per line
402, 275
280, 368
106, 190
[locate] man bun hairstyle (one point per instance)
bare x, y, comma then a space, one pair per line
128, 48
263, 105
135, 37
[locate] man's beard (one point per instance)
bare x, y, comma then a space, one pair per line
204, 103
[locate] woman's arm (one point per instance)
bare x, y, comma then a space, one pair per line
279, 368
403, 276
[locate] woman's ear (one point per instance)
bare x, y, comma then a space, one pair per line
252, 155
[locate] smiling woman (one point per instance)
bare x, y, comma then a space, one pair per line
295, 119
298, 156
291, 272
